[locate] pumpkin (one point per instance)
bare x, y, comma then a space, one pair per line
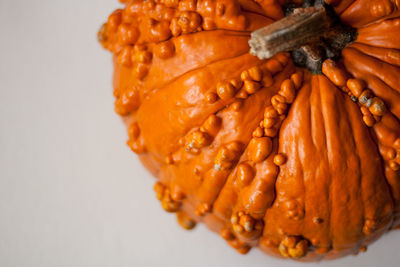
273, 122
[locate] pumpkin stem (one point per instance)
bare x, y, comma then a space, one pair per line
312, 34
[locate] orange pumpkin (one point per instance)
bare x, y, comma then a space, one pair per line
303, 163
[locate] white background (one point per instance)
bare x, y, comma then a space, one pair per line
71, 193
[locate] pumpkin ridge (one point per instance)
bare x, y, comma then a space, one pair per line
342, 8
224, 186
256, 13
389, 187
377, 11
159, 64
391, 57
206, 65
181, 19
379, 35
390, 69
357, 153
387, 137
247, 221
317, 83
377, 85
263, 90
238, 33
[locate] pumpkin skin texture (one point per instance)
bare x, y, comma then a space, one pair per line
267, 154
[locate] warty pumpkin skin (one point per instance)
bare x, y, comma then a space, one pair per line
302, 165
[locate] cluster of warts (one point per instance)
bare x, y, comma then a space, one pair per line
143, 30
169, 18
260, 148
243, 224
384, 8
372, 108
235, 90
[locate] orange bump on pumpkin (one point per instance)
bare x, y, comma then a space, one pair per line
382, 8
258, 132
356, 86
124, 57
293, 247
297, 79
244, 175
259, 148
279, 159
246, 226
185, 221
227, 156
164, 50
128, 102
288, 90
211, 97
163, 194
266, 152
198, 139
269, 122
336, 74
251, 87
225, 90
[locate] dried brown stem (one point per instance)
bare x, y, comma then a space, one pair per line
303, 27
311, 34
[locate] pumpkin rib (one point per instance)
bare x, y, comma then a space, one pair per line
189, 72
390, 56
359, 166
386, 133
342, 6
318, 81
388, 182
255, 8
389, 75
385, 34
257, 13
345, 6
386, 220
241, 209
365, 12
228, 183
248, 194
255, 96
226, 177
159, 65
234, 33
267, 238
201, 11
369, 74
